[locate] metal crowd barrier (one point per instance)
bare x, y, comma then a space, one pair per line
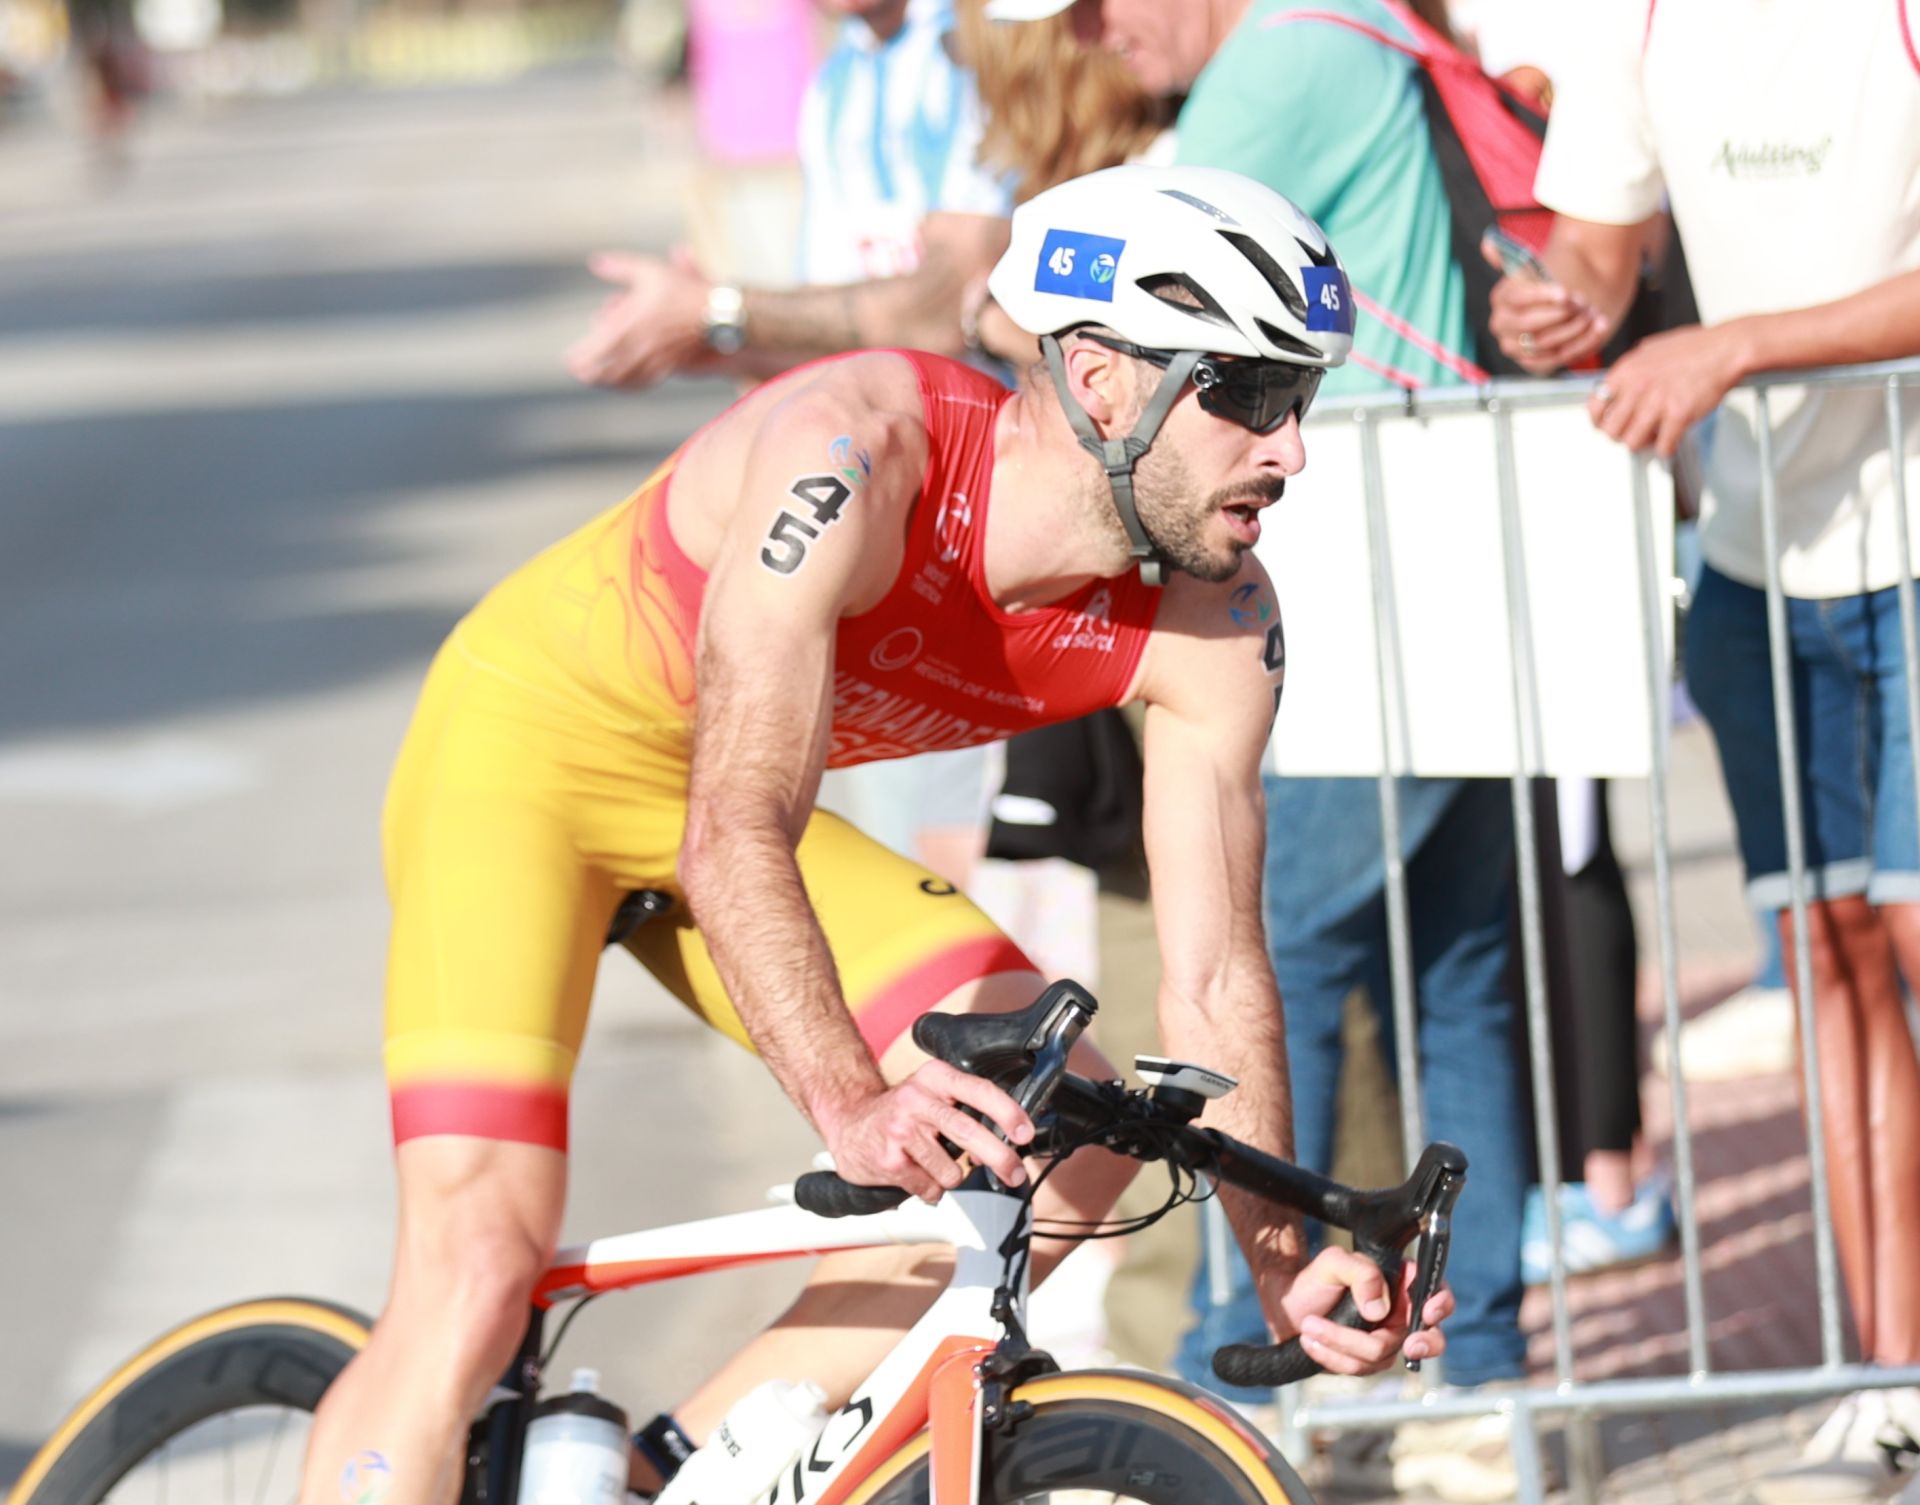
1580, 1403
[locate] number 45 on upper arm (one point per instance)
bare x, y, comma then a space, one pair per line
823, 496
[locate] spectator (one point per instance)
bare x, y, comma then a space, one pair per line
1334, 120
899, 217
1053, 109
1613, 1209
1805, 130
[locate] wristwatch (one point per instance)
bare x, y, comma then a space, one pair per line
724, 323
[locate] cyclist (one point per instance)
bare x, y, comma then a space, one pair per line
876, 555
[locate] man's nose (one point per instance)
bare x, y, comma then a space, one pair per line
1283, 449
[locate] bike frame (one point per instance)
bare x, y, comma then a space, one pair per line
927, 1380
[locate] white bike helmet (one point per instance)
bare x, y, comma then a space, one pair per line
1186, 261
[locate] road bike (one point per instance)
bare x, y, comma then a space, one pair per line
963, 1411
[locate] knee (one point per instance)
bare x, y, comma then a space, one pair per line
1840, 934
473, 1286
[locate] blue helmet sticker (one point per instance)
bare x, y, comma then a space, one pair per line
1078, 265
1329, 300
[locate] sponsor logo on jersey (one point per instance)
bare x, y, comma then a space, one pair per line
878, 723
897, 649
1088, 627
950, 525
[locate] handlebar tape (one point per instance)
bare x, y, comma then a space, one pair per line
1267, 1365
826, 1194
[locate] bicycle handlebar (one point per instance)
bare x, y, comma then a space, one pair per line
1026, 1053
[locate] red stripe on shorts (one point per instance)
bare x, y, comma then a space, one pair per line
524, 1115
886, 1016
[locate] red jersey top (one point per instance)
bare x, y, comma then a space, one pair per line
936, 664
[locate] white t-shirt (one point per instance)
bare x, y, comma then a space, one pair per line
889, 133
1786, 134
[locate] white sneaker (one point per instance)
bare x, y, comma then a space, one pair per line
1860, 1455
1749, 1034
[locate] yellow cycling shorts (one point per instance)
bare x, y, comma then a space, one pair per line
526, 804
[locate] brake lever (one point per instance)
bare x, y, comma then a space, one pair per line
1051, 1043
1435, 1211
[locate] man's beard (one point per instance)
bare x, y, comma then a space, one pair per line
1177, 521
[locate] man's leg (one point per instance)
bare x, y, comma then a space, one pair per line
1893, 1086
1460, 897
1860, 1024
478, 1221
1893, 1106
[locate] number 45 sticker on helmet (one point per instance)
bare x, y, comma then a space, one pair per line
1078, 265
1329, 299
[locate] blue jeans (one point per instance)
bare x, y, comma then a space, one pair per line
1326, 929
1848, 671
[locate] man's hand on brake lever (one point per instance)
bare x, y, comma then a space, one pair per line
1317, 1289
893, 1138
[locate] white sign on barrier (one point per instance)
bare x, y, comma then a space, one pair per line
1455, 711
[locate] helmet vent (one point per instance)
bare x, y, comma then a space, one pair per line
1183, 292
1289, 342
1270, 269
1202, 205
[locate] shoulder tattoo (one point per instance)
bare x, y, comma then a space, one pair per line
823, 495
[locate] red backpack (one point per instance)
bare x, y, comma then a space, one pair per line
1486, 139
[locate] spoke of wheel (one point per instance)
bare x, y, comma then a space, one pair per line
273, 1457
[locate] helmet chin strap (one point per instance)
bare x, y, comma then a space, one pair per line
1118, 456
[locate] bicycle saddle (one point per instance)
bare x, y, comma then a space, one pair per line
1003, 1047
634, 911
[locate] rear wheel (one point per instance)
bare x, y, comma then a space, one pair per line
1095, 1437
215, 1413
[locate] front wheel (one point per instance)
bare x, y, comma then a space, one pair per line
1106, 1435
216, 1411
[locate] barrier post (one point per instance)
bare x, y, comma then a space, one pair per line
1653, 625
1395, 758
1583, 1461
1787, 740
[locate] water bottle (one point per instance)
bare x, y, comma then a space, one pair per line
764, 1432
576, 1452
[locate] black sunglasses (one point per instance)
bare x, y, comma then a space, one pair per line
1257, 395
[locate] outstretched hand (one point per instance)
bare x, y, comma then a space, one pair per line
652, 327
1316, 1291
893, 1139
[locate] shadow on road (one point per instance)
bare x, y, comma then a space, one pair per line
158, 563
90, 293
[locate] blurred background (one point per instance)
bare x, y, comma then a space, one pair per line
281, 394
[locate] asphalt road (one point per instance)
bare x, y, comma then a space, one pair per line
273, 411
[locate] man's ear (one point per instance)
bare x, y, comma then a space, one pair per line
1098, 379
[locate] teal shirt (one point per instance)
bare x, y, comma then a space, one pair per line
1334, 120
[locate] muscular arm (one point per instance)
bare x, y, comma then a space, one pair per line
654, 325
827, 488
1210, 705
1212, 684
